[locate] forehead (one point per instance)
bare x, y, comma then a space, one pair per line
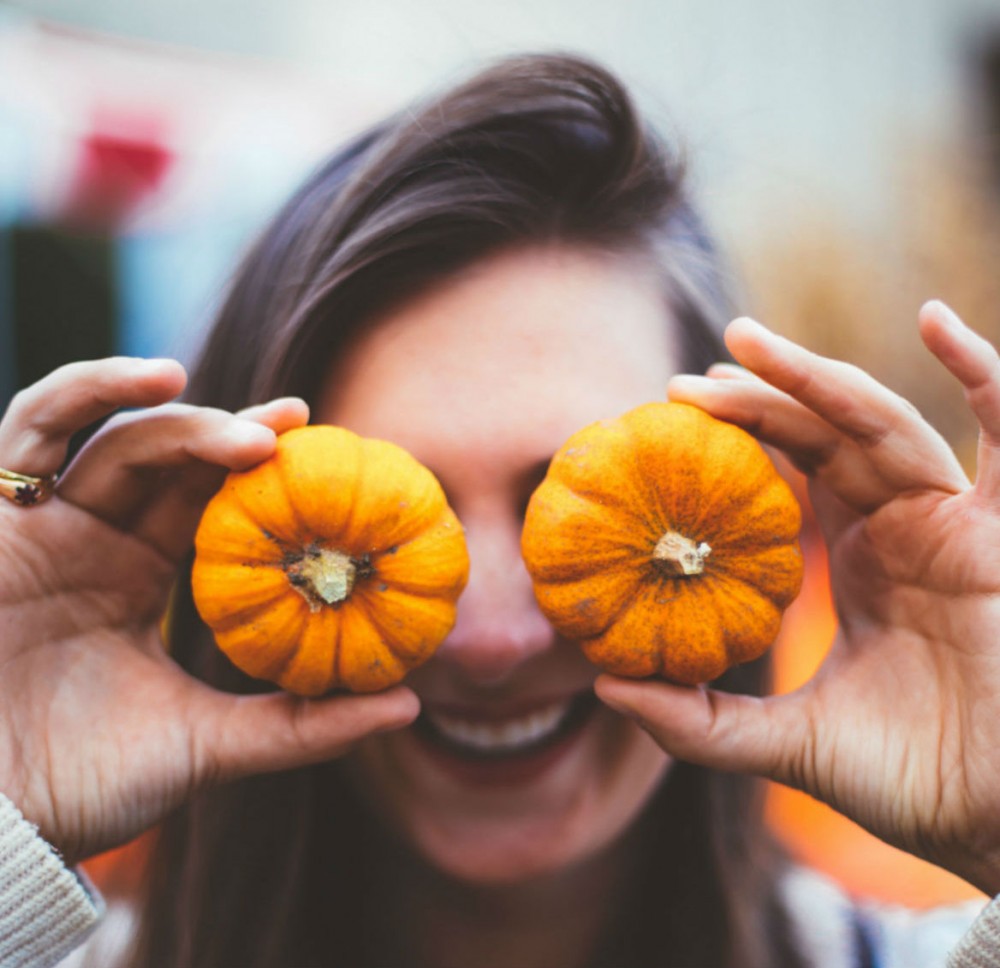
536, 342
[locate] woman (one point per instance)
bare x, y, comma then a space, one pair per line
476, 279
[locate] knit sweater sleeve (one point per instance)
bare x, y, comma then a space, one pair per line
46, 909
980, 945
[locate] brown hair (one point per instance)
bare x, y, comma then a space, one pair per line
268, 871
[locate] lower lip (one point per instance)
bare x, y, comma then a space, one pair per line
517, 768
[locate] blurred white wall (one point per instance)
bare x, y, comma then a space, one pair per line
786, 104
803, 119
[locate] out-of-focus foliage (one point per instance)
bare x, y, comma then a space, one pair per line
854, 294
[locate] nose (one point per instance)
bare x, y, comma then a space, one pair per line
499, 626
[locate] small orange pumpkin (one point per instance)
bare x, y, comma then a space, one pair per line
665, 542
335, 563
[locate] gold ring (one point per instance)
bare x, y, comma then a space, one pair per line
26, 491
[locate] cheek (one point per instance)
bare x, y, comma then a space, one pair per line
505, 835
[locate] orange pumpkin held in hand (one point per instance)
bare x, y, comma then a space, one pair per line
336, 563
665, 542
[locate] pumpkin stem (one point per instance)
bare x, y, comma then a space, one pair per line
679, 556
324, 576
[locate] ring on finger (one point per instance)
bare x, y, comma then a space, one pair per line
24, 490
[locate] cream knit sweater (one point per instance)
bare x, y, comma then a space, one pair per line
47, 910
980, 946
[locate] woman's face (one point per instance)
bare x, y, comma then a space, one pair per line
513, 769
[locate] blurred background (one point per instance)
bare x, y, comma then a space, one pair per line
847, 154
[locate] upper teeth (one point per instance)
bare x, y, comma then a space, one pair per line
505, 735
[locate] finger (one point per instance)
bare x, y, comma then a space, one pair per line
770, 415
121, 470
242, 735
730, 371
975, 363
284, 413
811, 444
716, 729
904, 450
38, 424
841, 394
170, 518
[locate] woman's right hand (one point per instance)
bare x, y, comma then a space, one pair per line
101, 733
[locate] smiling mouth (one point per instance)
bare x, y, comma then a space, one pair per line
518, 736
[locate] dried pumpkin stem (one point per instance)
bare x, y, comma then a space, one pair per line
679, 556
324, 576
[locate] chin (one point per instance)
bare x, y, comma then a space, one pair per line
508, 819
502, 857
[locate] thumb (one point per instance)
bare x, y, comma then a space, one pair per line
746, 734
241, 735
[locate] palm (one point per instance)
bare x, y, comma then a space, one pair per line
90, 692
917, 610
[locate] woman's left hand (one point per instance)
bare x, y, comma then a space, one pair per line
900, 727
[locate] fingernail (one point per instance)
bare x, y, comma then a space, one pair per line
728, 370
945, 313
616, 704
399, 722
691, 381
749, 321
250, 434
258, 409
627, 712
157, 364
276, 402
764, 333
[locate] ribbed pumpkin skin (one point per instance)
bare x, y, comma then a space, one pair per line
611, 493
327, 489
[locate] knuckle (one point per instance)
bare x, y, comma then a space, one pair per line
300, 724
161, 418
988, 440
22, 404
119, 421
80, 379
207, 769
31, 441
798, 765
